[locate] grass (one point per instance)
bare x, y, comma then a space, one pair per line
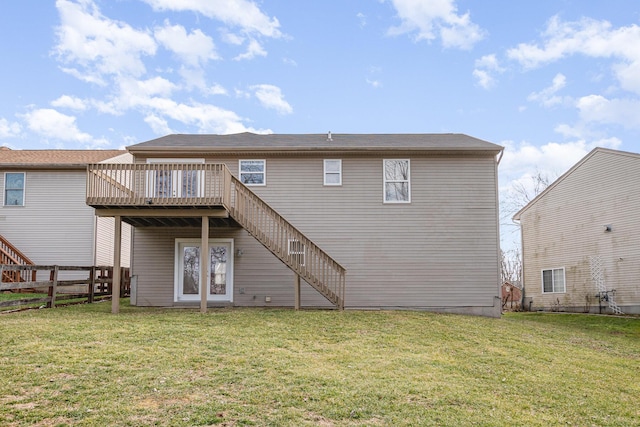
80, 365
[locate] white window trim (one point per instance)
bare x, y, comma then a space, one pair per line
177, 269
564, 280
264, 172
339, 173
298, 252
24, 190
384, 183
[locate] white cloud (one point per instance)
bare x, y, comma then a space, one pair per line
547, 97
374, 83
70, 102
217, 89
52, 124
9, 129
97, 45
362, 19
486, 67
238, 13
553, 158
588, 37
597, 108
436, 18
483, 78
254, 49
158, 125
271, 97
195, 48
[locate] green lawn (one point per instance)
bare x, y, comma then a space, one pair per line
81, 365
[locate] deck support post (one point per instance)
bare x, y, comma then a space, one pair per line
117, 250
204, 264
296, 288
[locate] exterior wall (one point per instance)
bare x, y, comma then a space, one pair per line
257, 273
439, 252
566, 226
55, 225
105, 227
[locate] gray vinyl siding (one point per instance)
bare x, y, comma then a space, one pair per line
55, 226
566, 226
438, 252
257, 273
105, 230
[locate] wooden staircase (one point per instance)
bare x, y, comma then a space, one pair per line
10, 255
120, 187
287, 243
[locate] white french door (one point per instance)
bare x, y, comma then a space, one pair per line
219, 270
170, 183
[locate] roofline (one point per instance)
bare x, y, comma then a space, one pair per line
517, 215
44, 166
289, 150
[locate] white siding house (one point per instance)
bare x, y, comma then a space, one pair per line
581, 237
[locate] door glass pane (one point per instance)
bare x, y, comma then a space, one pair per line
218, 280
164, 187
191, 279
189, 183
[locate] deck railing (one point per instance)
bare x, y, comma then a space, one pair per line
10, 255
287, 243
205, 185
159, 184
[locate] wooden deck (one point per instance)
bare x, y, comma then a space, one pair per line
181, 194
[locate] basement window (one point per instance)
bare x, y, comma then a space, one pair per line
553, 280
14, 188
296, 251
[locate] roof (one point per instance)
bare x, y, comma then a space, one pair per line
316, 142
34, 159
551, 186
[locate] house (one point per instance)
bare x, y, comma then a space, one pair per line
395, 221
581, 238
511, 296
43, 213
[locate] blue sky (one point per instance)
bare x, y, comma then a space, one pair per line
549, 79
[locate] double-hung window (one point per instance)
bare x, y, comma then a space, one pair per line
553, 280
253, 172
397, 188
14, 188
333, 172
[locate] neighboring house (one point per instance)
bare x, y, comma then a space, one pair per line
43, 210
366, 221
581, 238
511, 296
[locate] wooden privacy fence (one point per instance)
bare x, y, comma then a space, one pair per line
98, 283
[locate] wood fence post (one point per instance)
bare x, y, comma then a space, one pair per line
53, 288
92, 284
